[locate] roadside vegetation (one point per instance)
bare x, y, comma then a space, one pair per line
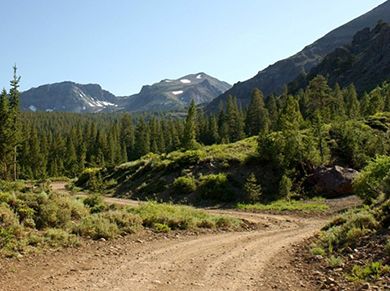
307, 206
33, 217
358, 241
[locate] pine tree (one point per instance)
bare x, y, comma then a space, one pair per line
257, 119
377, 102
365, 105
234, 120
252, 189
14, 96
35, 156
6, 149
223, 127
386, 92
273, 112
338, 106
320, 98
290, 117
189, 138
352, 102
142, 139
127, 134
213, 131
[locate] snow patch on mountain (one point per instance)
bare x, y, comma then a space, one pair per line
177, 92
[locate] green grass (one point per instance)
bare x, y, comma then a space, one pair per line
181, 217
284, 206
30, 221
370, 271
238, 151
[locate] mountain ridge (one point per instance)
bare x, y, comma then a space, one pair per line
365, 62
168, 94
272, 79
176, 94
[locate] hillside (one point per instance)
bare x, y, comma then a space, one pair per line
273, 78
154, 175
365, 62
67, 97
175, 94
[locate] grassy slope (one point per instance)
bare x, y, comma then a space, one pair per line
153, 176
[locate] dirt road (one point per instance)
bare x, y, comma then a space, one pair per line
253, 260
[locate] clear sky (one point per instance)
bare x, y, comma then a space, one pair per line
124, 44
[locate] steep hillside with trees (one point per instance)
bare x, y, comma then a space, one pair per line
272, 79
365, 62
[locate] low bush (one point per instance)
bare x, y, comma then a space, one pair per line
373, 179
184, 185
8, 218
95, 203
161, 227
335, 262
349, 229
215, 187
370, 271
181, 217
55, 237
96, 226
317, 251
125, 221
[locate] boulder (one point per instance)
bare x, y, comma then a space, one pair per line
332, 182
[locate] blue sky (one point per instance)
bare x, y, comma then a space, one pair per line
124, 44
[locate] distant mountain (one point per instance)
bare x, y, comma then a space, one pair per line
275, 77
365, 62
175, 94
68, 97
163, 96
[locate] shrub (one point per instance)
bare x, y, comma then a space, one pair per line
60, 238
8, 186
354, 234
90, 178
372, 180
8, 218
125, 221
207, 224
371, 271
317, 251
288, 150
95, 203
357, 143
334, 261
184, 185
34, 239
96, 226
215, 187
161, 227
347, 231
59, 210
